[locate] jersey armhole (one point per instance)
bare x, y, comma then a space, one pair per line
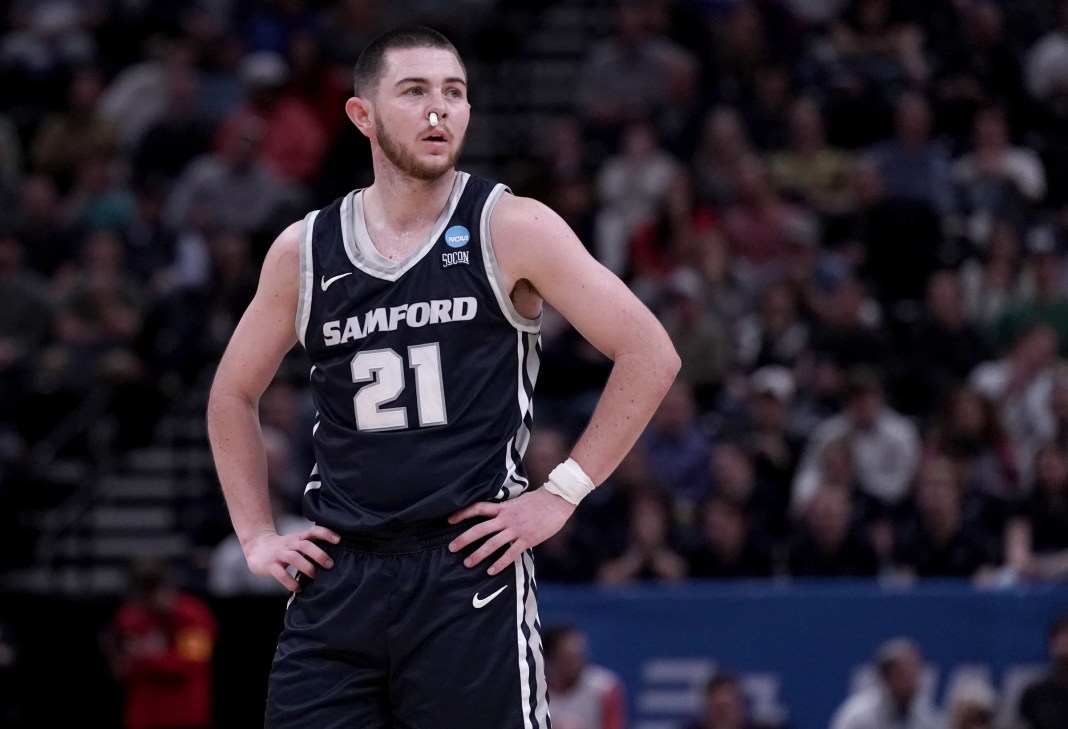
307, 276
493, 271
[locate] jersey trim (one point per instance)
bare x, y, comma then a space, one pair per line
361, 250
532, 692
307, 275
493, 270
529, 361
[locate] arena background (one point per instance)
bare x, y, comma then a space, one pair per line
813, 196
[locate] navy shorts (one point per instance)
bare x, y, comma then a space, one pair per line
398, 634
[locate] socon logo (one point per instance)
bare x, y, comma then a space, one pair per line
457, 236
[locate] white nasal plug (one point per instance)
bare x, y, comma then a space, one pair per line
433, 118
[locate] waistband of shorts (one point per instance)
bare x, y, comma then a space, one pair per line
406, 539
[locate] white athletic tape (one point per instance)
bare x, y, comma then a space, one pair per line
569, 482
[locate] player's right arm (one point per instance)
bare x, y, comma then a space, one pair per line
262, 338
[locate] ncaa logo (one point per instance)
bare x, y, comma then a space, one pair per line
457, 236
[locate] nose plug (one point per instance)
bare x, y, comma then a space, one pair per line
433, 118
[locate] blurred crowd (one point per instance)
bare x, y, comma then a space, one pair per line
851, 216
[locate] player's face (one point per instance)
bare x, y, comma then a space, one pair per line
418, 81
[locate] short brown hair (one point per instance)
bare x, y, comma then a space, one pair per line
372, 60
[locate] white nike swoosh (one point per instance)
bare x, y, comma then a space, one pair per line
479, 602
327, 281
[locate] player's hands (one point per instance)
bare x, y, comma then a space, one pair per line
523, 522
271, 554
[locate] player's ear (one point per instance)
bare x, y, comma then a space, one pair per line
361, 113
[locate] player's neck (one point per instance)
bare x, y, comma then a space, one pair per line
400, 203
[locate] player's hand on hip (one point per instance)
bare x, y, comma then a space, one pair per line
522, 522
272, 554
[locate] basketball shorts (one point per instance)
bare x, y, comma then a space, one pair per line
399, 634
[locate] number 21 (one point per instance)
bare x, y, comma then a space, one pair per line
384, 368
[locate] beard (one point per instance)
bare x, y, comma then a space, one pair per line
405, 161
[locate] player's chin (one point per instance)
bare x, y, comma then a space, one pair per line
433, 167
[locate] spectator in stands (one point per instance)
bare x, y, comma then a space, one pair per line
871, 50
966, 430
231, 188
323, 86
159, 644
996, 179
622, 78
631, 187
721, 154
293, 141
180, 132
766, 108
1020, 383
671, 236
893, 242
650, 553
1036, 540
1048, 302
1058, 403
757, 224
39, 53
67, 137
99, 197
995, 276
1047, 66
678, 447
146, 93
1046, 77
885, 445
681, 113
765, 435
584, 695
774, 334
743, 46
895, 700
913, 166
611, 504
348, 26
943, 347
41, 226
727, 545
809, 170
723, 705
849, 326
827, 542
973, 705
698, 331
936, 541
1044, 703
734, 477
979, 68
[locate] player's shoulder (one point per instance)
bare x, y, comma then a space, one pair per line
516, 209
285, 250
517, 220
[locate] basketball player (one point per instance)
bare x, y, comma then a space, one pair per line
418, 302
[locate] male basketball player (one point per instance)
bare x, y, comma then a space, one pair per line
418, 302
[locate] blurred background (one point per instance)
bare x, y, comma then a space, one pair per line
851, 216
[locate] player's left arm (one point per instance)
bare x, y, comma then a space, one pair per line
538, 252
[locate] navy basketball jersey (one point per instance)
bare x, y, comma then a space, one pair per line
422, 370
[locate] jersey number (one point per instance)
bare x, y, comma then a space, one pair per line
384, 368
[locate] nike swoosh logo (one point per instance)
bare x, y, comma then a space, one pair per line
327, 281
480, 602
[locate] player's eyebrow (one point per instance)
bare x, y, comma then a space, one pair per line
415, 80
